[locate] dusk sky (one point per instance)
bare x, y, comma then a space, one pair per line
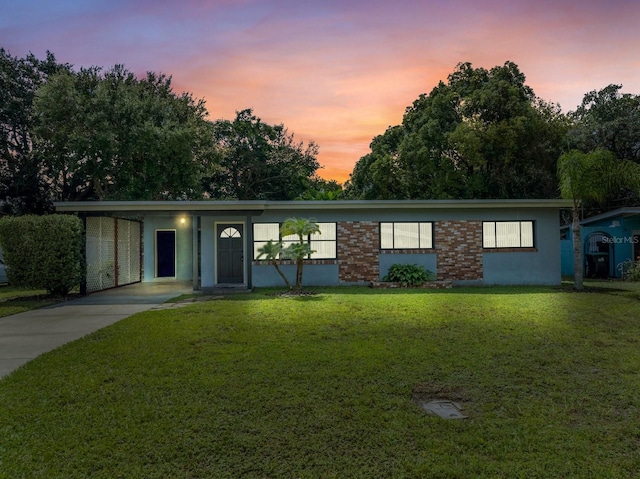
338, 72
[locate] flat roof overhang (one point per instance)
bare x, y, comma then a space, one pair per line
257, 207
620, 212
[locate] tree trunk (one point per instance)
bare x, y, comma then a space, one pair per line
577, 249
286, 281
299, 275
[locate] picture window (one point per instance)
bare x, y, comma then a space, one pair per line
324, 244
406, 235
507, 234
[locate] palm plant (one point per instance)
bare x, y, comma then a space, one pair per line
271, 251
591, 177
298, 251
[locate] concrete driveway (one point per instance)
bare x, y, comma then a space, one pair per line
27, 335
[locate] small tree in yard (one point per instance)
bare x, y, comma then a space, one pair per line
271, 252
298, 251
591, 177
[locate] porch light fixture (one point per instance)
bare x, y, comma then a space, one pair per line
183, 220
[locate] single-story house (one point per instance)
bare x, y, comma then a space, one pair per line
214, 244
608, 240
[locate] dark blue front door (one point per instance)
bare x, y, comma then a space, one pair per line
165, 253
230, 253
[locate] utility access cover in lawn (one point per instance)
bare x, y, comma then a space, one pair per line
443, 408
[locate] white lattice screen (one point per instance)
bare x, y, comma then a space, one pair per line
128, 251
105, 257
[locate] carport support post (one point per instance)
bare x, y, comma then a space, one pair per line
83, 280
249, 250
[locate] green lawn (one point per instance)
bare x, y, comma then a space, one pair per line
323, 386
14, 300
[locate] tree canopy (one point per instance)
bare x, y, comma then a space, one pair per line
609, 119
259, 161
109, 135
483, 134
22, 187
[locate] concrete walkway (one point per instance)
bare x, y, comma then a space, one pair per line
27, 335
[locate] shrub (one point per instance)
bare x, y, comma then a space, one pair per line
633, 272
43, 252
408, 274
629, 270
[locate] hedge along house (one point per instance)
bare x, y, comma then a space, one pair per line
608, 240
214, 244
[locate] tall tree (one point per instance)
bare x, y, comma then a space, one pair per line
610, 119
483, 134
22, 188
110, 135
379, 174
259, 161
319, 189
590, 177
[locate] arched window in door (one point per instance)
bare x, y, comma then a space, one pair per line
230, 232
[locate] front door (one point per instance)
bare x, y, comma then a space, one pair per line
165, 253
230, 253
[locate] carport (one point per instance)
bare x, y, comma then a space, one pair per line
113, 252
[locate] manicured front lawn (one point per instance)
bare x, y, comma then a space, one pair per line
323, 386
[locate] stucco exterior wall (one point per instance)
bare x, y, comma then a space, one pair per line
184, 246
454, 251
538, 266
457, 252
265, 275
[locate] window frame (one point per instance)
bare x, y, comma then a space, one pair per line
419, 228
310, 240
520, 235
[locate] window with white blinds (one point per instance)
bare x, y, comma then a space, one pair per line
406, 235
507, 234
323, 244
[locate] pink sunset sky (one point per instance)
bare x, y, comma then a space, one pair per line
338, 72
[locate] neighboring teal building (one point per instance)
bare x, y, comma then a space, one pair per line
608, 240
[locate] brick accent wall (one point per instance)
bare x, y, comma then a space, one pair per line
459, 249
358, 249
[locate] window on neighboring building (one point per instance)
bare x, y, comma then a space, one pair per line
507, 234
564, 234
324, 244
406, 235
